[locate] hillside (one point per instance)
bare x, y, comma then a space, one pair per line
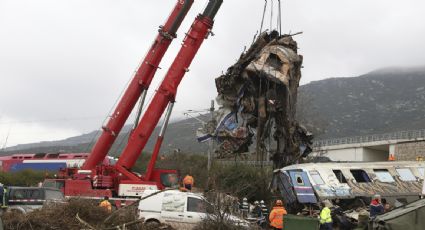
179, 135
381, 101
387, 100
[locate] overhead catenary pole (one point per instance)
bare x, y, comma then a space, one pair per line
211, 141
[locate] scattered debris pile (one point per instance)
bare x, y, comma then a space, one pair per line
73, 215
257, 98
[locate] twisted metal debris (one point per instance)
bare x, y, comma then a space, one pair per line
257, 98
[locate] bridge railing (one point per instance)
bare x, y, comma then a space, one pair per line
407, 135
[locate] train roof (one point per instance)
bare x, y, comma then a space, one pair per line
45, 156
354, 165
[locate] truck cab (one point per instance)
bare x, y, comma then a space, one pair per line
26, 199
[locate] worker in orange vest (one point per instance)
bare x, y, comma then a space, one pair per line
276, 215
188, 182
106, 204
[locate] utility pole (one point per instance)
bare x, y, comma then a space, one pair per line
211, 141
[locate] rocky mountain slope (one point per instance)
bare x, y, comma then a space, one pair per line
382, 101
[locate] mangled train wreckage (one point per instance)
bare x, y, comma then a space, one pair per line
350, 184
257, 98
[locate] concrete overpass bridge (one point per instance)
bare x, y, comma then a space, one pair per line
403, 145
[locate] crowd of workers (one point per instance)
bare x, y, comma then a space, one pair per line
277, 214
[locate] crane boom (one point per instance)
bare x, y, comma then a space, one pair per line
167, 90
139, 84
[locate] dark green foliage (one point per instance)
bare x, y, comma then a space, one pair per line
237, 179
242, 180
23, 178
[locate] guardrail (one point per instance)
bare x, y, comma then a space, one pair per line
405, 135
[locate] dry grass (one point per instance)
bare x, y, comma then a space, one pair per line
63, 216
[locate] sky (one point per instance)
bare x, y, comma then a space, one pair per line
64, 63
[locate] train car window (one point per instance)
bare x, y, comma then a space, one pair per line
340, 176
316, 177
53, 195
360, 175
383, 175
34, 194
39, 155
17, 194
299, 179
53, 155
422, 171
406, 174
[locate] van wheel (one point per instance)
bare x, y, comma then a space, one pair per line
152, 224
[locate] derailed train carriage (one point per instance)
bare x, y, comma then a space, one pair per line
349, 183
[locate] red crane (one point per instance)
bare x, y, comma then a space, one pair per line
166, 93
139, 84
96, 179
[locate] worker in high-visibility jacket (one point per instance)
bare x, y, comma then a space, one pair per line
106, 204
325, 216
188, 182
276, 215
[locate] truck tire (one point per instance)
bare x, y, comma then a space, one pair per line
152, 224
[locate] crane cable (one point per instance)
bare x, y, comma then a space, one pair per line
278, 18
260, 72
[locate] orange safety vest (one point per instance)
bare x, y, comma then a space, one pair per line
276, 217
188, 180
105, 204
391, 157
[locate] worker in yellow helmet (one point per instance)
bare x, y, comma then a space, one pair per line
325, 216
106, 204
276, 215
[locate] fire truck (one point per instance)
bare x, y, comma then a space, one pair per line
95, 179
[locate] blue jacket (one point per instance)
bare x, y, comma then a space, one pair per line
376, 208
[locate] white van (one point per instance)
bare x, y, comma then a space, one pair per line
181, 210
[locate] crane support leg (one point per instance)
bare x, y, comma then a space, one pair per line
158, 143
140, 108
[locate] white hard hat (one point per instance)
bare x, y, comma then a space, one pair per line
262, 202
244, 199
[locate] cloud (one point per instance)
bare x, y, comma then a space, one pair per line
71, 59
